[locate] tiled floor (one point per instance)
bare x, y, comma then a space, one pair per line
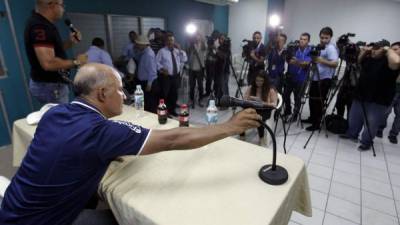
347, 187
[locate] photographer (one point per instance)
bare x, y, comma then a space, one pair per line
276, 61
374, 93
211, 58
196, 54
326, 58
222, 66
298, 66
254, 52
394, 53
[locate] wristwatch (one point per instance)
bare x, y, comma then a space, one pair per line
76, 62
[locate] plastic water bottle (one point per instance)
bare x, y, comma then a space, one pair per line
184, 116
162, 112
139, 100
212, 113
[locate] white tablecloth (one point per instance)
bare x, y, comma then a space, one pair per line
216, 185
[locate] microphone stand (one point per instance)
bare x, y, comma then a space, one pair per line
272, 173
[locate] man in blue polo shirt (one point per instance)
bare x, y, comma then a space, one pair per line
74, 144
298, 68
321, 82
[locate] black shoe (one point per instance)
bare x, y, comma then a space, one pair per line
392, 139
363, 147
307, 120
379, 134
293, 118
312, 128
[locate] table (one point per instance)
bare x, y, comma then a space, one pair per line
217, 184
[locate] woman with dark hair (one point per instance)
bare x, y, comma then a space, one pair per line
262, 90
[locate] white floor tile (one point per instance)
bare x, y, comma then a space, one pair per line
346, 192
396, 191
334, 220
376, 187
375, 174
322, 160
293, 223
348, 156
372, 217
398, 207
344, 209
319, 170
346, 178
327, 151
319, 184
373, 162
394, 168
316, 219
395, 179
379, 203
348, 167
318, 200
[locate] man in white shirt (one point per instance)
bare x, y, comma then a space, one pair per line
170, 61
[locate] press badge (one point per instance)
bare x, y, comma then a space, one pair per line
273, 67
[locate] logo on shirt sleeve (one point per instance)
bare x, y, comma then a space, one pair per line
131, 126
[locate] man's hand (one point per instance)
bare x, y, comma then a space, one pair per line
253, 54
75, 37
164, 71
82, 58
178, 46
148, 88
293, 61
316, 59
244, 120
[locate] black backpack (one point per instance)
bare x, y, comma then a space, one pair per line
336, 124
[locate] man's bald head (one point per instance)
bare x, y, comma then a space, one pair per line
51, 9
93, 76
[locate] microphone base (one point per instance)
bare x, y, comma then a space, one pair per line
273, 177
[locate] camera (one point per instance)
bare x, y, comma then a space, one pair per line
226, 46
291, 49
316, 50
247, 48
210, 41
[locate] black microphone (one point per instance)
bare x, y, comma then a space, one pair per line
72, 29
227, 101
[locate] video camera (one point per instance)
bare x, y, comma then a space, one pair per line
316, 50
247, 48
226, 46
291, 49
210, 41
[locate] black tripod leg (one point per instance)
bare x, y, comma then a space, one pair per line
367, 124
284, 134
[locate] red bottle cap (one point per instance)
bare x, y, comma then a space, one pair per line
162, 101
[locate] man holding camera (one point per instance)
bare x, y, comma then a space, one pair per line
276, 61
222, 66
394, 53
255, 56
374, 93
298, 66
326, 57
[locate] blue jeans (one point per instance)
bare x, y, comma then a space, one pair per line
375, 115
49, 92
396, 122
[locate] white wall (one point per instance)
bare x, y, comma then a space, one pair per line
246, 17
371, 20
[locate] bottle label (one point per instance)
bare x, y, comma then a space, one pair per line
138, 102
184, 118
162, 112
212, 118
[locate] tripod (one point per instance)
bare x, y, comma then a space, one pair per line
245, 67
314, 70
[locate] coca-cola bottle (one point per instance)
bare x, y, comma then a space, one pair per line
184, 116
162, 112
